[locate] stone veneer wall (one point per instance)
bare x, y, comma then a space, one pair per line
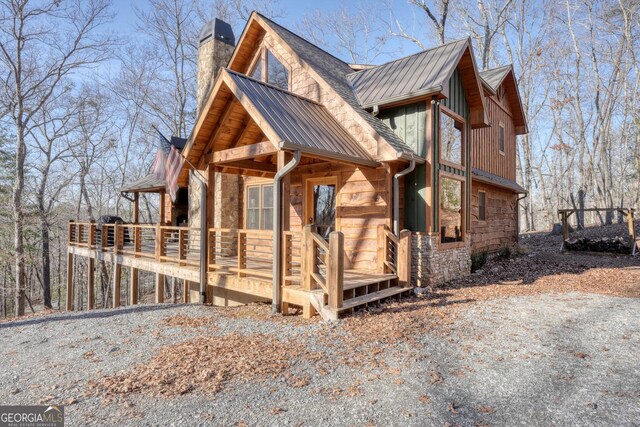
432, 266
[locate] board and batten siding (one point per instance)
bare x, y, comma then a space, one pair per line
409, 123
484, 142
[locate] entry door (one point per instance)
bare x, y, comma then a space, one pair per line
320, 204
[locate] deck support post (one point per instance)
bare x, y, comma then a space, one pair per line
133, 286
335, 269
185, 291
404, 259
69, 281
159, 288
91, 293
117, 277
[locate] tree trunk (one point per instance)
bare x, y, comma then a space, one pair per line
18, 213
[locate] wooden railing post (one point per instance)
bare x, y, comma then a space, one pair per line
382, 249
307, 257
182, 245
137, 241
92, 234
71, 230
212, 247
116, 238
104, 236
286, 256
403, 259
335, 269
242, 253
79, 232
159, 243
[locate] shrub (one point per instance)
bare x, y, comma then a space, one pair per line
478, 260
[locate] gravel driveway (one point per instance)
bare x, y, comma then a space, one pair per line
545, 359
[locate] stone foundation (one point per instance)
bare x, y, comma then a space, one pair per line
432, 266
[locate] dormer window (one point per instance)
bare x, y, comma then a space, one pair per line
269, 69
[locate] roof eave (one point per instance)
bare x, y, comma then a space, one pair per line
407, 97
287, 145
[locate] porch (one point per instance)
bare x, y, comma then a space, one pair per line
240, 261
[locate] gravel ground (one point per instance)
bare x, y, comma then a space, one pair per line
544, 359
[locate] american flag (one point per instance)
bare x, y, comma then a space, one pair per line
167, 165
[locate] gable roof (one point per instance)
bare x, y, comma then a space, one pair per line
297, 122
496, 77
334, 72
422, 74
288, 120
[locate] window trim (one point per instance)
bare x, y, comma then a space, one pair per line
463, 135
247, 185
504, 138
482, 214
463, 208
261, 58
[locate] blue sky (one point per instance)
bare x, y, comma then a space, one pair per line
293, 12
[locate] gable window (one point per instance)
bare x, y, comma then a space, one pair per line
259, 207
451, 138
451, 210
269, 69
501, 138
277, 74
482, 207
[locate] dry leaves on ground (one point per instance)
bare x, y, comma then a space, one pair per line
205, 363
181, 320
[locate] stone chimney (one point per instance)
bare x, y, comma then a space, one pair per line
216, 47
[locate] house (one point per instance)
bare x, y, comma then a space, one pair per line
314, 183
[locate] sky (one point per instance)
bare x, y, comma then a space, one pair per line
293, 13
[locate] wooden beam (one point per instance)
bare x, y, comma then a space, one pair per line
264, 148
70, 282
222, 122
133, 289
159, 288
91, 293
117, 277
162, 210
251, 165
136, 207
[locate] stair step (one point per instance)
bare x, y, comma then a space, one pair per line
352, 283
372, 297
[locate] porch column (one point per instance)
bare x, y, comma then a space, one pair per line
161, 220
136, 207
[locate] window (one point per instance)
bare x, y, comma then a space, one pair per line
451, 137
259, 207
482, 209
501, 138
451, 212
276, 73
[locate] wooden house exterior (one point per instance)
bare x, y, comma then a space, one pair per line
311, 183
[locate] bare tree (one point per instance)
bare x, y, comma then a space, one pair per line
41, 43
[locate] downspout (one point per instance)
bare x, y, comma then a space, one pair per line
203, 236
518, 216
396, 195
277, 223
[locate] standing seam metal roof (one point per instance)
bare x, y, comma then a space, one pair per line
495, 76
418, 74
299, 122
334, 72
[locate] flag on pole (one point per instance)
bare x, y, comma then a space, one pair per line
167, 165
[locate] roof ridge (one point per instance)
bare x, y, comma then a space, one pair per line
300, 37
271, 86
408, 56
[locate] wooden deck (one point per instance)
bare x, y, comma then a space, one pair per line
241, 262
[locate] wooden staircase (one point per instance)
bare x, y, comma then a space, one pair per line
358, 292
331, 290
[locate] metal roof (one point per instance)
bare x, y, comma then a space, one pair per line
334, 72
495, 76
420, 74
147, 184
300, 124
489, 178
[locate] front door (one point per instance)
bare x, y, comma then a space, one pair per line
320, 204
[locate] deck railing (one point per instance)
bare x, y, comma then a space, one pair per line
323, 265
394, 254
162, 243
